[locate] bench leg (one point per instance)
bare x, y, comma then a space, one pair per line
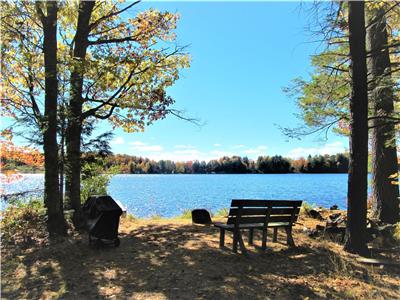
275, 237
235, 241
290, 241
251, 234
221, 237
264, 239
242, 246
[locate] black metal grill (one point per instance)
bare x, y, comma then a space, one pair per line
103, 215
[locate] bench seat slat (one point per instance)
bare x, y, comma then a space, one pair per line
249, 226
262, 211
247, 220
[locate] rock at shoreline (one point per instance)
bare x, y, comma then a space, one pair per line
315, 214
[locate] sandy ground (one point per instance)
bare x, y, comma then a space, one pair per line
173, 259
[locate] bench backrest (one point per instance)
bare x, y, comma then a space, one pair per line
245, 211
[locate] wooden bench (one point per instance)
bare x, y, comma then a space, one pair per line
259, 214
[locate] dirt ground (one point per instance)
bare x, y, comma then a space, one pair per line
173, 259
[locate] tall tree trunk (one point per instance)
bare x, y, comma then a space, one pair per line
358, 168
384, 154
62, 152
55, 216
74, 128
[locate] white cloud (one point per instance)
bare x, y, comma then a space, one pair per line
184, 147
260, 150
187, 151
188, 155
179, 155
137, 143
238, 146
332, 148
118, 141
218, 154
217, 145
151, 148
143, 147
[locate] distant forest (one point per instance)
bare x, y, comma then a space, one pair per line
231, 165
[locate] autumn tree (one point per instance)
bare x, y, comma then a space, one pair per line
29, 59
110, 67
12, 155
119, 70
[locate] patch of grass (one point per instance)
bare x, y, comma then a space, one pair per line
396, 233
306, 207
186, 214
221, 213
130, 217
156, 217
339, 266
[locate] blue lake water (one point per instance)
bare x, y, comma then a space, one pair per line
170, 195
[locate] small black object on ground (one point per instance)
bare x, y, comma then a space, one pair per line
102, 214
201, 216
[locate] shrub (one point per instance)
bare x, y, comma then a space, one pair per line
130, 217
94, 180
221, 213
186, 214
306, 207
396, 232
24, 222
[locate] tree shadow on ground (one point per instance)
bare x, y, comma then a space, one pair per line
170, 261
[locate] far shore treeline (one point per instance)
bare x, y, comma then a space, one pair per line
230, 165
277, 164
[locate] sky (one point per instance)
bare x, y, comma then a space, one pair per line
243, 54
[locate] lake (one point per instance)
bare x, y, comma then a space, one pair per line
170, 195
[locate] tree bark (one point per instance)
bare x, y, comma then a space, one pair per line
62, 152
55, 216
74, 128
358, 167
385, 195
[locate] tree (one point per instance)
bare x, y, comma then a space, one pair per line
52, 200
52, 197
383, 140
323, 99
29, 60
358, 172
12, 156
120, 74
110, 67
74, 127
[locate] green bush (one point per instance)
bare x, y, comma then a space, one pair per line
95, 180
23, 222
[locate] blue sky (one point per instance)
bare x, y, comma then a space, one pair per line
242, 55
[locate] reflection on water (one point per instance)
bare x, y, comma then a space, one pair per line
170, 195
